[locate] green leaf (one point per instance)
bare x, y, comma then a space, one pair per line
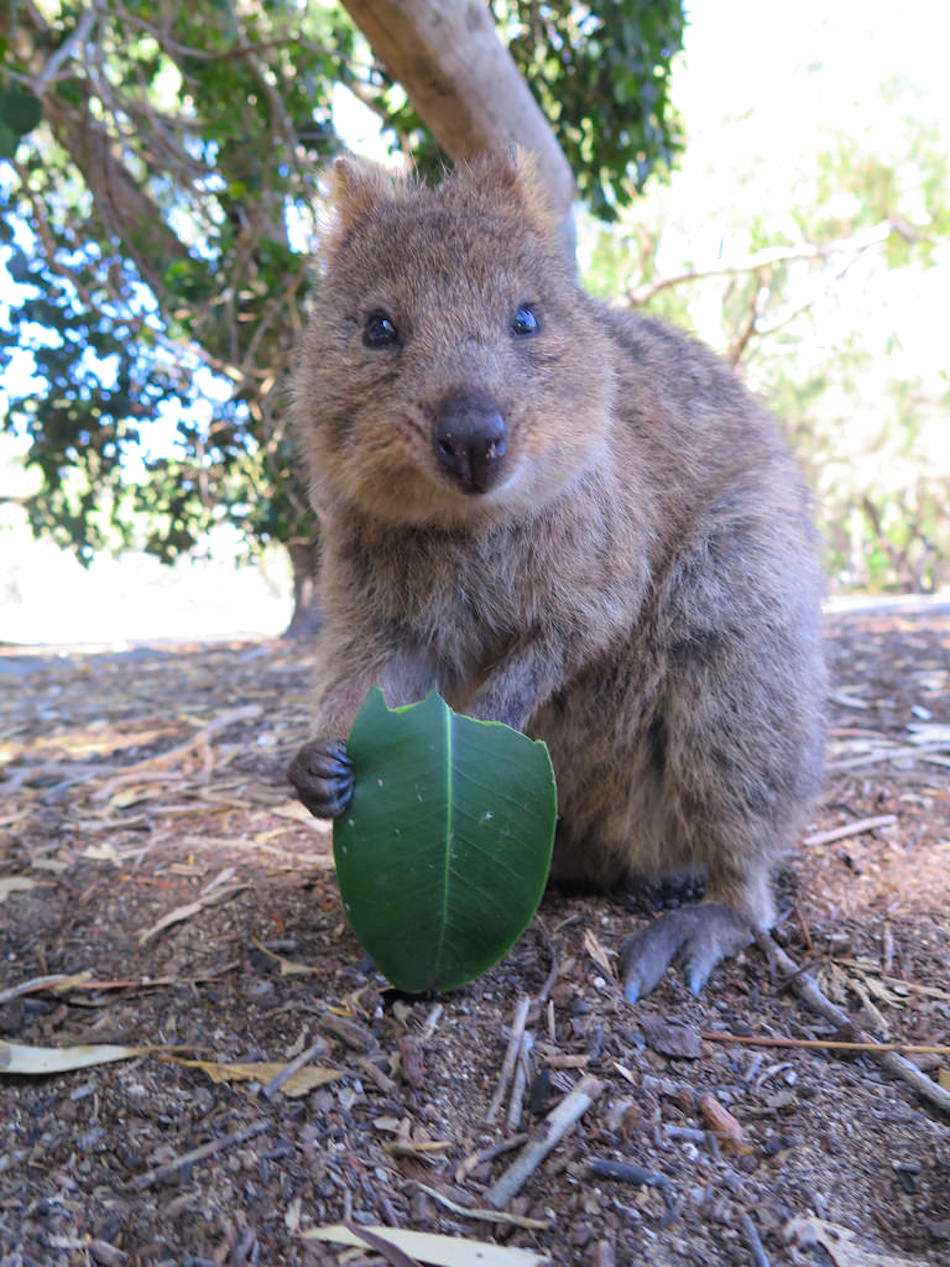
443, 854
20, 111
8, 141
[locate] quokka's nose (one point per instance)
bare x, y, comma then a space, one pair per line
470, 438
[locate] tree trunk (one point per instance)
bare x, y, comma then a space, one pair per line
305, 559
465, 84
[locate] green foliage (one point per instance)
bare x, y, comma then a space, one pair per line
819, 278
163, 258
443, 853
601, 74
164, 208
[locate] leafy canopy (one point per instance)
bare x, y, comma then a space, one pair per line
162, 167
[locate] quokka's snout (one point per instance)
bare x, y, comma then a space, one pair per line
470, 438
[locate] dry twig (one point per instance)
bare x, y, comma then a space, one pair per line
759, 1257
198, 1154
850, 829
808, 990
511, 1055
468, 1164
556, 1125
519, 1083
489, 1216
887, 754
830, 1044
313, 1051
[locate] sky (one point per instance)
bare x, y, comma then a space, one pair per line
753, 53
785, 72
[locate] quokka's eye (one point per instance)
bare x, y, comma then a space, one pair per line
525, 321
379, 330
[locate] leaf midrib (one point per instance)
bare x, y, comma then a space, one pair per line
446, 875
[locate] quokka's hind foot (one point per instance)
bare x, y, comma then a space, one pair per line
698, 937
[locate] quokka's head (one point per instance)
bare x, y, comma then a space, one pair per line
452, 371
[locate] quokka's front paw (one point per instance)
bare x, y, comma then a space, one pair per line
323, 777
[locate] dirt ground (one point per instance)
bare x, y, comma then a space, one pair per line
153, 865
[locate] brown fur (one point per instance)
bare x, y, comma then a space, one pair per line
641, 587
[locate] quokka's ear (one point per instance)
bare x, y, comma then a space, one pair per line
512, 174
357, 190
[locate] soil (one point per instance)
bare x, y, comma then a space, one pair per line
154, 866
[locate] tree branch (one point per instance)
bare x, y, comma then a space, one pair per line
78, 36
246, 377
124, 207
163, 37
772, 255
444, 54
739, 344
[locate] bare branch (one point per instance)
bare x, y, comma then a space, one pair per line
41, 227
773, 255
287, 299
76, 38
739, 344
122, 203
235, 52
245, 376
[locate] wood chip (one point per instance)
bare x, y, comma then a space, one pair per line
728, 1128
